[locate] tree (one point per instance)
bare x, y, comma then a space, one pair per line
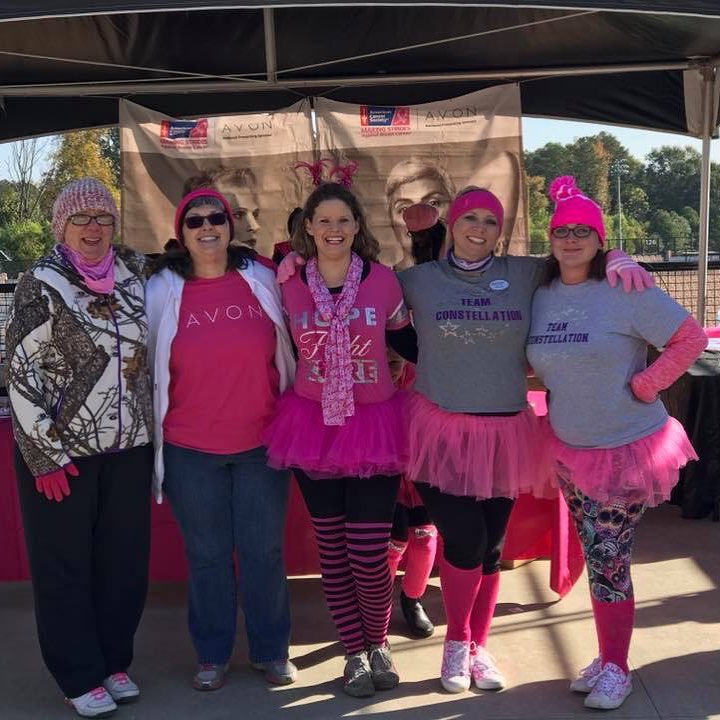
671, 231
26, 156
539, 214
26, 240
110, 150
673, 178
77, 155
549, 161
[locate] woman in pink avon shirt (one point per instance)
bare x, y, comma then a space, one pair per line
341, 428
221, 355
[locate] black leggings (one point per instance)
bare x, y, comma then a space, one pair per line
406, 518
473, 531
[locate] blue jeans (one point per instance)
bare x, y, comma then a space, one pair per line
227, 503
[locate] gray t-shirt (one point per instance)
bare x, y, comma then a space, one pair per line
472, 328
586, 342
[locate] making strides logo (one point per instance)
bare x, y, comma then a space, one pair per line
383, 120
184, 133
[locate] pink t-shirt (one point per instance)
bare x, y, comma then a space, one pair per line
223, 379
379, 306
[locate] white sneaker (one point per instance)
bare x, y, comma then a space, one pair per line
610, 688
94, 704
484, 671
121, 688
584, 682
455, 672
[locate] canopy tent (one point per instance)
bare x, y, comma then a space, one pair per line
650, 64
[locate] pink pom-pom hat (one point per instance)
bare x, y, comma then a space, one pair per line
573, 207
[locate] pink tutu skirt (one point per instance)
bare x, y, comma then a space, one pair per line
372, 442
646, 469
475, 455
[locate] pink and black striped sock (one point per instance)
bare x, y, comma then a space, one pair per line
368, 554
338, 582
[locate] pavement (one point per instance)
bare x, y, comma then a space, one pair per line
538, 640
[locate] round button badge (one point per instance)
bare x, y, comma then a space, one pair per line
499, 285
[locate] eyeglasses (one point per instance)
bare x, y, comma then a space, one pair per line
82, 219
196, 221
580, 232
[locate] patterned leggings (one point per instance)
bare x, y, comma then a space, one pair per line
607, 532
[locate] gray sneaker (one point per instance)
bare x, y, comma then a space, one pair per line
384, 674
277, 672
358, 676
209, 676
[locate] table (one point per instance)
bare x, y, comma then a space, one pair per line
538, 528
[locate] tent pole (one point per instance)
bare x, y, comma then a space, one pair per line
708, 125
270, 46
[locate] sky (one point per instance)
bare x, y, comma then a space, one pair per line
538, 132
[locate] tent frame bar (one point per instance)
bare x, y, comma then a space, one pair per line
164, 87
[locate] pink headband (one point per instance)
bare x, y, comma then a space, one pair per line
200, 193
475, 199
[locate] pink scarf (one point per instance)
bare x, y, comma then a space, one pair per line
337, 395
100, 277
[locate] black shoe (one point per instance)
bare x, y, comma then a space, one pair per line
415, 617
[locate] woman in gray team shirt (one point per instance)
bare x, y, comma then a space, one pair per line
473, 439
614, 447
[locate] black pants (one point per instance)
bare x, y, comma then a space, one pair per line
473, 531
360, 500
89, 564
408, 517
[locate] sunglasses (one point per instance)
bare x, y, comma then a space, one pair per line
581, 231
82, 219
193, 222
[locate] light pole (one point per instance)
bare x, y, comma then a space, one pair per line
619, 168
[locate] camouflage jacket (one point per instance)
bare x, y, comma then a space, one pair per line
77, 374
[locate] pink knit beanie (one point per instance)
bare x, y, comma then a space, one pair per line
182, 209
77, 196
572, 207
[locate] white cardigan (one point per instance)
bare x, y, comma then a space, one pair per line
163, 294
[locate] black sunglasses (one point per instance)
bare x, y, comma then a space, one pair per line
196, 221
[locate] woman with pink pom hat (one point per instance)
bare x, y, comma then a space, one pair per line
615, 449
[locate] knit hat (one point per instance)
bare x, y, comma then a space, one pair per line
420, 216
572, 207
183, 207
78, 195
474, 199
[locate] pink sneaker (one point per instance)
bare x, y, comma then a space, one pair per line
455, 672
610, 688
484, 671
585, 680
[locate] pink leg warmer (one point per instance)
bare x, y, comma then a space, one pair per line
484, 608
420, 558
614, 622
459, 590
396, 549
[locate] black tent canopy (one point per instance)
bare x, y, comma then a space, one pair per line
648, 64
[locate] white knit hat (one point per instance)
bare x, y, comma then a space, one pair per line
80, 195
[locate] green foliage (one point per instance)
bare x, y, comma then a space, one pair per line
26, 240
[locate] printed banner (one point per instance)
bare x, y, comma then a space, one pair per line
428, 153
249, 158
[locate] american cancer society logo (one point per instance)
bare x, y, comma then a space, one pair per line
384, 120
184, 133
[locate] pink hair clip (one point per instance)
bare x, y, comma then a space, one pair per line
345, 173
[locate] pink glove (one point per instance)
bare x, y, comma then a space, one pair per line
623, 267
288, 266
55, 484
681, 350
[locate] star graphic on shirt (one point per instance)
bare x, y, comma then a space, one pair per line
449, 329
467, 337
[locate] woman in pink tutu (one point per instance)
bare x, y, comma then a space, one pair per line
474, 442
616, 450
342, 429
